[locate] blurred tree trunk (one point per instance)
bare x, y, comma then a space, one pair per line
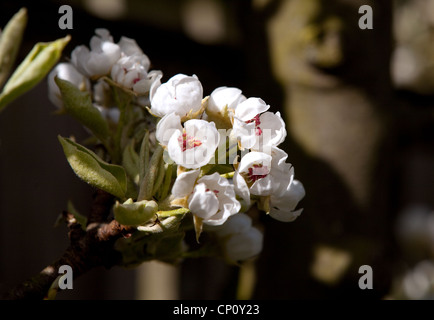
337, 105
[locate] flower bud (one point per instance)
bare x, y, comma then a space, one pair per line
181, 94
132, 73
135, 213
102, 55
241, 241
224, 97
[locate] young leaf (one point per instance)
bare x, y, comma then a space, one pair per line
79, 105
32, 69
90, 168
10, 42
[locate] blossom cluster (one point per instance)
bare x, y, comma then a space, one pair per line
196, 130
224, 146
124, 63
192, 141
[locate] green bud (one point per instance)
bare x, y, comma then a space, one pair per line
10, 42
132, 213
32, 69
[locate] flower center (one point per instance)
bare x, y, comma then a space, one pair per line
215, 191
256, 172
258, 130
188, 142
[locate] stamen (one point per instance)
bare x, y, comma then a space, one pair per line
188, 142
256, 172
215, 191
258, 130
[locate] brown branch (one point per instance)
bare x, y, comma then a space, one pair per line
87, 250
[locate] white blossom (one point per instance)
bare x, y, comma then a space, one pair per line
237, 223
282, 206
181, 94
256, 128
211, 197
224, 97
241, 240
102, 55
65, 71
192, 145
263, 174
132, 72
253, 175
129, 47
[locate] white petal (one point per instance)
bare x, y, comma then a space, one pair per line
181, 94
184, 183
145, 85
282, 180
284, 215
263, 186
242, 246
250, 108
79, 57
205, 133
241, 187
166, 127
252, 158
129, 46
225, 96
273, 131
156, 83
244, 132
279, 158
237, 223
202, 203
289, 199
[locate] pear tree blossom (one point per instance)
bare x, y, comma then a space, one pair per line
102, 55
191, 145
257, 128
159, 157
224, 98
221, 105
201, 160
240, 239
272, 178
132, 72
181, 94
211, 198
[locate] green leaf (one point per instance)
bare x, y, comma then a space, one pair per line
147, 183
144, 156
130, 161
90, 168
79, 105
32, 69
132, 213
10, 42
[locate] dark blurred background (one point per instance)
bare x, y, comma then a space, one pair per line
359, 107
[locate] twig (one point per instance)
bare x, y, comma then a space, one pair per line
87, 250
